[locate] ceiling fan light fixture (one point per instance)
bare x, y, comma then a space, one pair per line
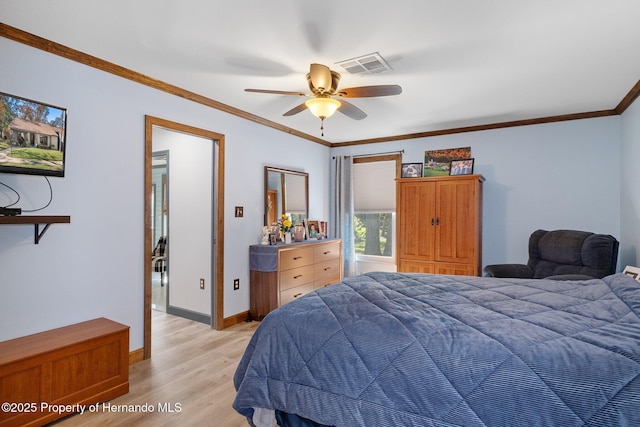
322, 107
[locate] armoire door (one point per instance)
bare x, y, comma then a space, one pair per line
417, 217
456, 217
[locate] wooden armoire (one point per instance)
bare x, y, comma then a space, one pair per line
439, 225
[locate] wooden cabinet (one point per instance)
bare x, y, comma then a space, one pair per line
440, 225
281, 273
80, 364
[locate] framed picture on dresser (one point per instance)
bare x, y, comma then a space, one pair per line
313, 229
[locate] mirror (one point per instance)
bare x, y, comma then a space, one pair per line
285, 192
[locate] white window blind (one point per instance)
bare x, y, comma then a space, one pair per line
295, 191
374, 186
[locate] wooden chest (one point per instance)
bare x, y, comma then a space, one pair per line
48, 375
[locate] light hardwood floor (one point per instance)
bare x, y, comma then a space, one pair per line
191, 367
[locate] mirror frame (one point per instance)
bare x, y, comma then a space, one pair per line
268, 169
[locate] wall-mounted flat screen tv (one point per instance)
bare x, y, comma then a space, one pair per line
32, 137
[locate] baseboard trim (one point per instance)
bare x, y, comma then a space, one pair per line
235, 319
136, 356
188, 314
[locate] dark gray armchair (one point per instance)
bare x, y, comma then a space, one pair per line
563, 255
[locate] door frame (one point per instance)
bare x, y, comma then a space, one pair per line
217, 304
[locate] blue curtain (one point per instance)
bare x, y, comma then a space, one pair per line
343, 211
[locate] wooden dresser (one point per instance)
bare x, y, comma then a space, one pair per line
52, 374
281, 273
440, 225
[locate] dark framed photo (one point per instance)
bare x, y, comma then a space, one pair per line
272, 239
411, 170
461, 167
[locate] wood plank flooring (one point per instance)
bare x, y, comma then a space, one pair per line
190, 372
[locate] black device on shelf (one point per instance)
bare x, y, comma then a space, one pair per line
10, 211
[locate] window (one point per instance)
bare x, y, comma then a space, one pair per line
374, 191
374, 233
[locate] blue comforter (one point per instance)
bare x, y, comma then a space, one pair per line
392, 349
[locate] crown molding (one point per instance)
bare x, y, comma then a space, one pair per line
49, 46
477, 128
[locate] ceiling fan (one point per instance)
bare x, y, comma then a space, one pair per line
323, 84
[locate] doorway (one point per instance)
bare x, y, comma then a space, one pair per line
160, 230
215, 239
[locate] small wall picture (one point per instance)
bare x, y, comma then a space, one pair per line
313, 229
633, 272
411, 170
461, 167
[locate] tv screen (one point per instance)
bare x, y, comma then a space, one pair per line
32, 137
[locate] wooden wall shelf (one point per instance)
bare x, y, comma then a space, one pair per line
36, 220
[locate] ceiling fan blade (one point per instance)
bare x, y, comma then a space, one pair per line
320, 77
277, 92
296, 110
370, 91
350, 110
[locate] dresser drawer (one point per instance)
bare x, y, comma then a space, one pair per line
292, 258
293, 293
296, 277
325, 282
327, 269
326, 251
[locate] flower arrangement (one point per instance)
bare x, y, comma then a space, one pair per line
285, 223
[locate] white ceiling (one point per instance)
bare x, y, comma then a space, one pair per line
459, 62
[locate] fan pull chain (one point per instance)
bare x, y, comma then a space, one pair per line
322, 126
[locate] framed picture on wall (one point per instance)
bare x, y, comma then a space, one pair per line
461, 167
411, 170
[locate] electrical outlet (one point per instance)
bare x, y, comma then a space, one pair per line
236, 284
201, 283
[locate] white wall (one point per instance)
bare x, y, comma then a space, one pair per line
630, 195
94, 266
189, 240
551, 176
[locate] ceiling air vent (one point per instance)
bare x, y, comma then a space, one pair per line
367, 64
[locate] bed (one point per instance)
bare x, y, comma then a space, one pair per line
399, 349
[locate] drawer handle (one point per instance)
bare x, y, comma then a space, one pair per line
297, 295
295, 258
327, 269
298, 276
327, 252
